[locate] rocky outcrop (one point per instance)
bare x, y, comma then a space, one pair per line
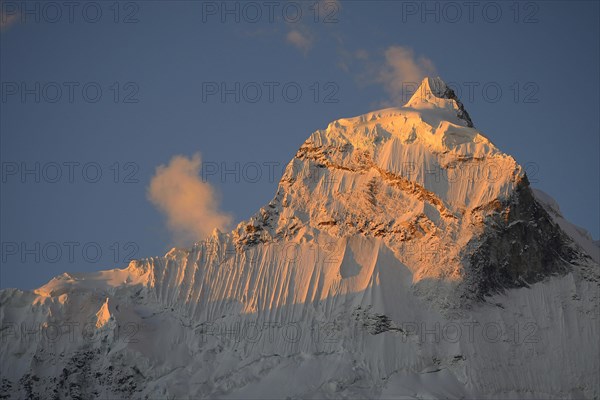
520, 245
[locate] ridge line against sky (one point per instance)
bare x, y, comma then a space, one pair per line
160, 65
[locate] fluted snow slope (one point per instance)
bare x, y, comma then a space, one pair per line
403, 256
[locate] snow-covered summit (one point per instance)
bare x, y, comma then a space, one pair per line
413, 175
386, 229
433, 93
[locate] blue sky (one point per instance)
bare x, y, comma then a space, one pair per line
94, 98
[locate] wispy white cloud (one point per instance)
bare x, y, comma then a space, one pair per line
303, 40
191, 205
402, 68
396, 69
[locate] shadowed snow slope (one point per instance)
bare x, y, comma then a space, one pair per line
403, 256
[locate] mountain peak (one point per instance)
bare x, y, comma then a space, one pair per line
431, 88
434, 93
384, 228
437, 86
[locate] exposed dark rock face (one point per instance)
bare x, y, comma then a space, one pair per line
375, 323
441, 90
462, 112
78, 376
521, 244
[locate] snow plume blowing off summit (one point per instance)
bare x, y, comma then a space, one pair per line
191, 205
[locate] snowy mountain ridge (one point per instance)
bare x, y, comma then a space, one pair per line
403, 255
